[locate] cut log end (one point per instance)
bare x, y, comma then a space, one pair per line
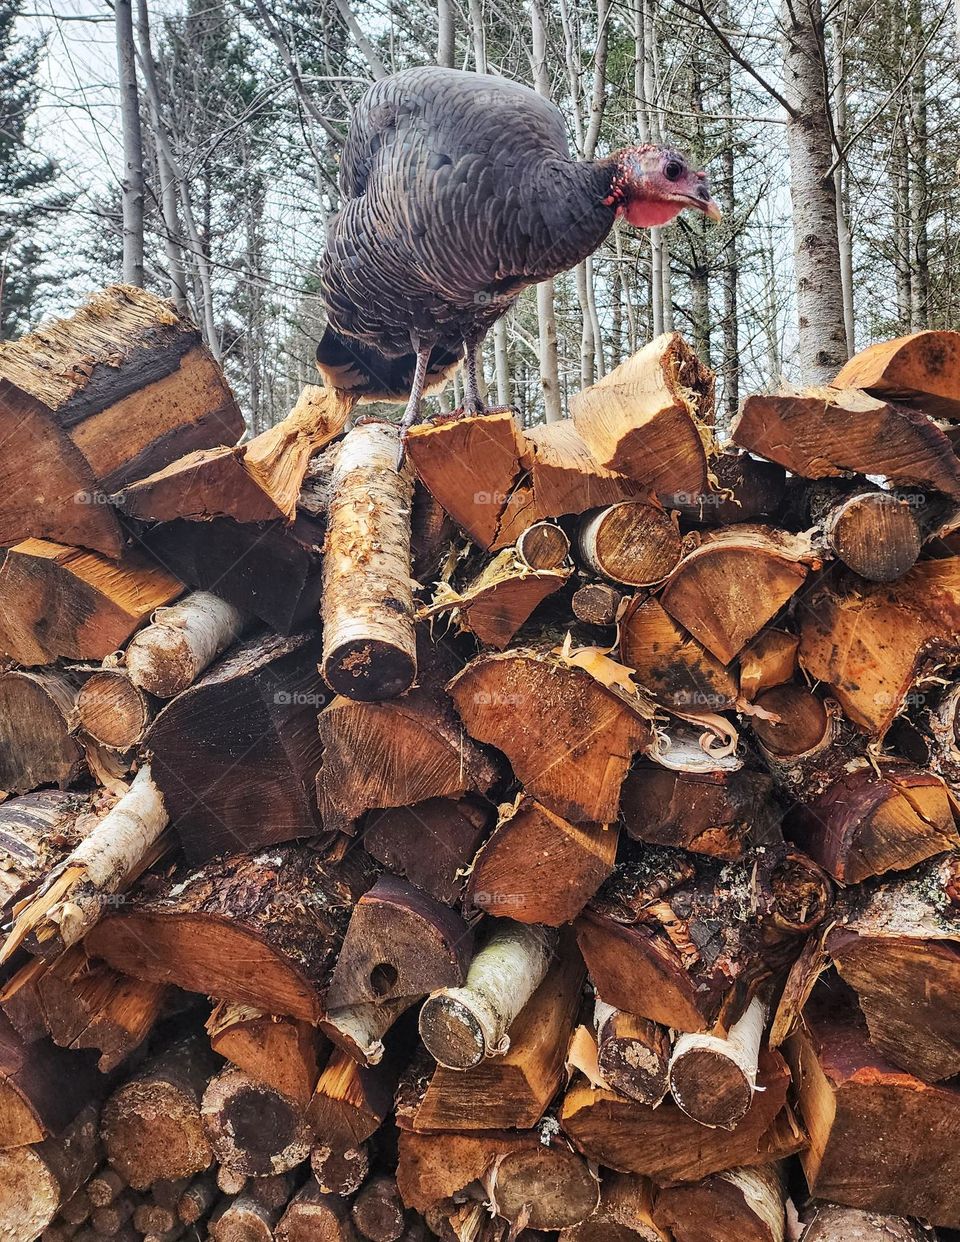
368, 669
452, 1032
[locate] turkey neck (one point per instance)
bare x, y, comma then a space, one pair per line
571, 197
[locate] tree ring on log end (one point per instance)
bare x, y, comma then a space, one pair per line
452, 1033
711, 1088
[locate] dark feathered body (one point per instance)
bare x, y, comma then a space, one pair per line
459, 192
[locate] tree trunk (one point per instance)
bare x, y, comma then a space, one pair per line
132, 192
822, 333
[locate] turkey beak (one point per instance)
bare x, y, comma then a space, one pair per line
705, 203
710, 208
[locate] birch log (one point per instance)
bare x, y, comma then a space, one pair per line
369, 644
65, 909
169, 655
713, 1079
461, 1026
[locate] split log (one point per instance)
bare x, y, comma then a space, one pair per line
827, 432
544, 545
197, 1199
109, 857
560, 475
400, 944
740, 488
114, 711
531, 1176
21, 1004
539, 868
243, 736
42, 1088
57, 601
431, 843
640, 934
831, 1223
471, 467
352, 1101
500, 599
395, 754
259, 929
633, 1054
770, 660
369, 641
88, 1005
634, 543
747, 1204
870, 645
283, 1053
339, 1171
272, 571
251, 1127
919, 370
596, 603
511, 1090
171, 653
664, 1144
725, 591
378, 1210
462, 1025
121, 388
569, 739
713, 1077
669, 663
313, 1216
876, 820
243, 1219
37, 831
882, 1140
874, 533
624, 1214
725, 814
258, 481
644, 419
152, 1127
37, 1180
898, 946
37, 719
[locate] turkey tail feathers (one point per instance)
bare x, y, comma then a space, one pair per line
351, 366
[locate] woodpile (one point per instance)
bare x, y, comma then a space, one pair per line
553, 836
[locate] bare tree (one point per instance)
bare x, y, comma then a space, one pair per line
131, 185
821, 331
546, 290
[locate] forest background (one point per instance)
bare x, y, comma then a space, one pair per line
193, 148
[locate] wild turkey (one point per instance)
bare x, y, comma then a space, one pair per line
459, 192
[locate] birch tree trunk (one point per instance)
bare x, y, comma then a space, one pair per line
821, 330
546, 291
132, 181
446, 34
919, 190
176, 269
844, 238
730, 365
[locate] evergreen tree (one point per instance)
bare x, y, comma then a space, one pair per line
26, 194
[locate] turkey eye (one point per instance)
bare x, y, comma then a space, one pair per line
673, 170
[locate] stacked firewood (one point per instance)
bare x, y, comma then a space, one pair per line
551, 835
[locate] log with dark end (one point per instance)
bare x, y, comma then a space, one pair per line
596, 603
252, 1128
633, 1054
340, 1171
544, 545
313, 1216
181, 641
713, 1077
378, 1211
369, 642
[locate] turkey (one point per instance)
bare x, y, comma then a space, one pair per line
459, 191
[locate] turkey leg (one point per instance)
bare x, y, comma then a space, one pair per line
473, 402
412, 413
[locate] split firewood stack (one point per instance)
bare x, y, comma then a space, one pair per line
552, 837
